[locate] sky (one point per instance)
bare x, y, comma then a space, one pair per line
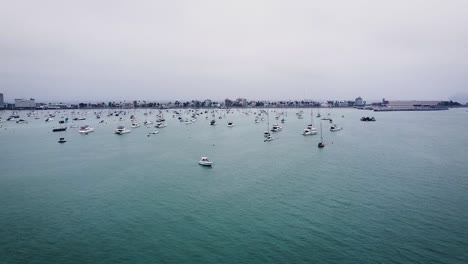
60, 50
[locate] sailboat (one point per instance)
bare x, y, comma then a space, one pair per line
266, 133
318, 114
213, 121
321, 144
310, 129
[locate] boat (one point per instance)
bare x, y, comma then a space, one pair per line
230, 124
148, 123
204, 161
187, 122
121, 130
160, 125
310, 129
85, 130
155, 132
62, 140
266, 133
213, 121
335, 128
321, 144
269, 138
21, 121
59, 129
366, 119
309, 132
276, 128
135, 124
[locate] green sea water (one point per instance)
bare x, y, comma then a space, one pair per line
390, 191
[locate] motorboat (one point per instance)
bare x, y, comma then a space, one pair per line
62, 140
276, 128
85, 130
135, 124
212, 122
269, 138
335, 128
21, 121
59, 129
154, 132
204, 161
147, 123
49, 119
266, 134
367, 118
309, 132
230, 124
187, 122
121, 130
160, 125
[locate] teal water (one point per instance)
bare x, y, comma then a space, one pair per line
391, 191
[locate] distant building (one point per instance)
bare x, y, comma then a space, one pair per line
207, 103
359, 102
25, 104
412, 103
1, 101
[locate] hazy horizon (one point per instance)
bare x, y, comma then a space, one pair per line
156, 50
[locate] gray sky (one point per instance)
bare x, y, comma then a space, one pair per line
258, 49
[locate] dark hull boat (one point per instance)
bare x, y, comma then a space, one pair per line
59, 129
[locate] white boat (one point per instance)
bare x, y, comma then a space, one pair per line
310, 129
85, 130
335, 128
160, 125
204, 161
276, 128
155, 132
269, 138
230, 124
309, 132
135, 124
148, 123
121, 130
187, 122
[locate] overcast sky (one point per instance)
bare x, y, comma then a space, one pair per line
258, 49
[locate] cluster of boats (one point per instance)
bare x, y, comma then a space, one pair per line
187, 116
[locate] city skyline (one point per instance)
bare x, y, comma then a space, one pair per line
270, 50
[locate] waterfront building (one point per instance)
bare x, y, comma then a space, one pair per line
25, 103
359, 102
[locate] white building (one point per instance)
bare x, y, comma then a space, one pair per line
25, 103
